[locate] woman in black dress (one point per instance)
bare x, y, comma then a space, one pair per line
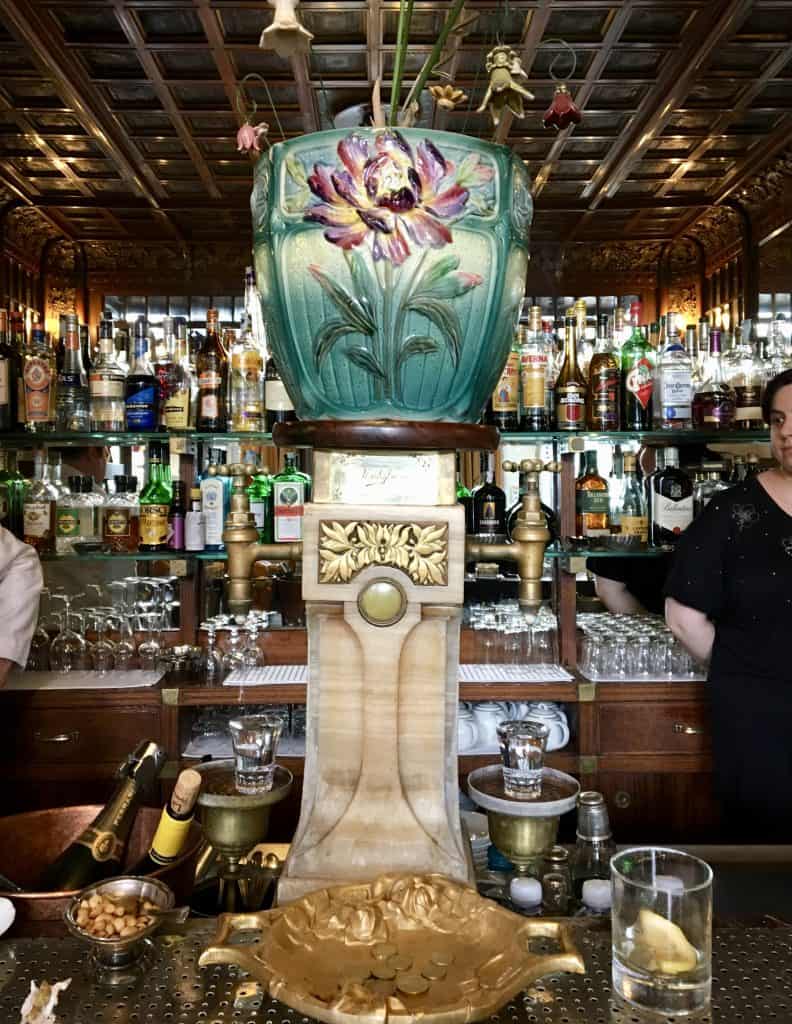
729, 602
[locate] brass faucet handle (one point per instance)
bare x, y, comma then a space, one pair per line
531, 466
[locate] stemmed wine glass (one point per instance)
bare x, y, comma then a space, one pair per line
149, 651
212, 669
125, 644
38, 656
103, 652
69, 649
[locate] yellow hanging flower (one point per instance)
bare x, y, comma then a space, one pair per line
447, 96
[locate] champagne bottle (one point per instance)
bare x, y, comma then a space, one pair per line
174, 825
97, 853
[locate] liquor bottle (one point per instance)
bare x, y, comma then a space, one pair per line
9, 368
123, 345
259, 492
60, 347
253, 311
616, 488
673, 385
585, 346
163, 369
591, 500
571, 389
155, 499
121, 516
40, 376
489, 509
504, 407
173, 829
702, 346
745, 374
38, 509
246, 383
619, 334
213, 497
12, 494
671, 504
603, 382
594, 845
713, 402
141, 385
73, 403
637, 364
278, 405
106, 383
212, 363
633, 529
464, 496
18, 343
709, 482
554, 361
68, 518
193, 523
85, 348
775, 360
533, 374
178, 513
98, 852
179, 405
290, 491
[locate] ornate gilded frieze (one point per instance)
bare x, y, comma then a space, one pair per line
418, 550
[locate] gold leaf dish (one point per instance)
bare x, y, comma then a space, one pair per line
405, 947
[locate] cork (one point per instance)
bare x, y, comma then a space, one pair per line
185, 792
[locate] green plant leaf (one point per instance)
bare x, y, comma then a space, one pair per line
448, 288
296, 171
445, 318
363, 282
365, 360
438, 270
466, 172
354, 312
417, 345
327, 336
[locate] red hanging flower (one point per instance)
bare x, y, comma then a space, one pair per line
562, 111
248, 137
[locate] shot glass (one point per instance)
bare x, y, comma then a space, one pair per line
662, 930
522, 748
255, 739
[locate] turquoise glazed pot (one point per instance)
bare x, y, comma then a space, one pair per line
391, 266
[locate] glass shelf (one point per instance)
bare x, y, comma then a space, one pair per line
123, 556
554, 551
25, 440
667, 437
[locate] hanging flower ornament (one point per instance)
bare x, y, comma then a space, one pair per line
286, 35
562, 112
249, 135
447, 96
504, 91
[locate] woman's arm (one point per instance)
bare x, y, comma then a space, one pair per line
616, 597
20, 585
692, 629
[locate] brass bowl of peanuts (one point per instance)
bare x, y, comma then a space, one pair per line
118, 915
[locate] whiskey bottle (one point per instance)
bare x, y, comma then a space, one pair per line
38, 510
633, 529
98, 852
591, 500
571, 390
173, 829
179, 401
671, 501
121, 516
212, 364
745, 374
603, 382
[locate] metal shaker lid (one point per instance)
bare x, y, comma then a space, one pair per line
592, 821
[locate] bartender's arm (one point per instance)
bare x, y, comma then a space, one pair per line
692, 629
616, 597
20, 585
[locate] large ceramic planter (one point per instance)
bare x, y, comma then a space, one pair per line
391, 268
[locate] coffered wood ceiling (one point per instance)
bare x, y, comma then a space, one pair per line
117, 117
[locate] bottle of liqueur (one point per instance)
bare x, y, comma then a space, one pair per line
98, 852
213, 496
106, 384
745, 374
290, 491
637, 364
141, 385
155, 500
38, 510
533, 373
592, 505
212, 364
633, 529
9, 366
163, 369
178, 514
671, 503
554, 359
464, 496
489, 509
85, 347
276, 398
181, 384
616, 488
673, 386
173, 829
714, 401
259, 492
585, 344
12, 493
193, 523
571, 389
73, 403
603, 382
246, 383
121, 516
505, 402
68, 519
19, 346
39, 376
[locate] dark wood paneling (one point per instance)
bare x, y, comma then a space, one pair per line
653, 728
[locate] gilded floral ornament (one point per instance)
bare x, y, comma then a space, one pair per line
286, 35
448, 96
419, 551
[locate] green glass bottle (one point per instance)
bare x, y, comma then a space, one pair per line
638, 372
155, 501
12, 494
259, 492
465, 497
291, 488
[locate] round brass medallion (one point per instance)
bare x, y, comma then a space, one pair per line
382, 602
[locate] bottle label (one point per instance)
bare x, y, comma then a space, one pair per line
506, 394
4, 375
672, 514
67, 522
177, 410
103, 845
570, 407
488, 521
212, 503
715, 410
154, 524
604, 385
635, 526
169, 839
276, 397
288, 500
675, 393
748, 406
105, 386
258, 509
36, 518
117, 523
593, 502
67, 379
176, 534
533, 374
38, 381
209, 407
194, 532
141, 408
209, 380
250, 364
638, 382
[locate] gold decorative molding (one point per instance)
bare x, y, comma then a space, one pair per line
419, 551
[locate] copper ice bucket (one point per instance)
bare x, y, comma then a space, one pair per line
31, 841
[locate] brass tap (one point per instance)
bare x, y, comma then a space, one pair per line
530, 536
240, 537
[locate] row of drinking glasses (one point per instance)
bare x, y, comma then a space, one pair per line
632, 647
506, 636
214, 721
241, 651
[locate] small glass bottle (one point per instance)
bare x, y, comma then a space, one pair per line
193, 523
714, 401
155, 499
594, 844
290, 492
38, 510
106, 383
591, 500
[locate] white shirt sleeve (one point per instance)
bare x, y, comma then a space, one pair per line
21, 581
